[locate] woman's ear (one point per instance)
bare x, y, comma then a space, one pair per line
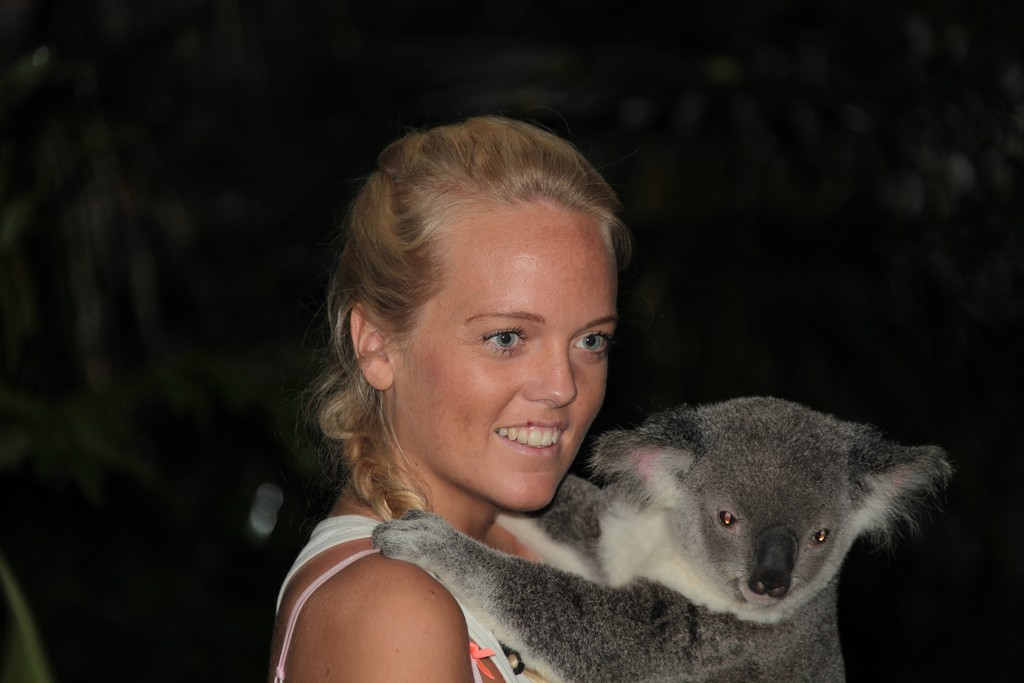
372, 351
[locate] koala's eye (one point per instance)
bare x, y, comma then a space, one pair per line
820, 536
726, 518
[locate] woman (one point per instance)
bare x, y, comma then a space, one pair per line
470, 314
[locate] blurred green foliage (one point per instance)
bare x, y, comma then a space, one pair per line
828, 200
22, 657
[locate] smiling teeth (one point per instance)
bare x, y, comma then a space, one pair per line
531, 436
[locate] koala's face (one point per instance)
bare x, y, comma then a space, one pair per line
760, 499
765, 518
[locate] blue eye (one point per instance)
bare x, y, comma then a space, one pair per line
596, 343
505, 340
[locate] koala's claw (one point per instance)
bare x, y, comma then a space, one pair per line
411, 537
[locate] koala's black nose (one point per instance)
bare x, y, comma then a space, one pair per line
776, 588
774, 557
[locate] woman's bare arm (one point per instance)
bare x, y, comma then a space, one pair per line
378, 620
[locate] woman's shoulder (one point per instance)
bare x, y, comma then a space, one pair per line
376, 582
371, 583
379, 617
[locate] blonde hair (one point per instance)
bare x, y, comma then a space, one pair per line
389, 267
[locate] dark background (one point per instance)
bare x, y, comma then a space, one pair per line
828, 199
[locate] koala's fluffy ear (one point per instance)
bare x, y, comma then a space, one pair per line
890, 483
647, 461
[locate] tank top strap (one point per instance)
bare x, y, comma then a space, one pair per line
310, 589
476, 653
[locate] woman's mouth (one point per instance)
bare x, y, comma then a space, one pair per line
537, 437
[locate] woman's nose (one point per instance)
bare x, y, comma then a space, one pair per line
553, 379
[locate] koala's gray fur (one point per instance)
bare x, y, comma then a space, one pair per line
658, 587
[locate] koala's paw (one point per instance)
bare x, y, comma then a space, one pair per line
418, 537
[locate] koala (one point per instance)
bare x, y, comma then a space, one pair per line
711, 554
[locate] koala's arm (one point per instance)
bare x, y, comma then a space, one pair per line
566, 627
572, 517
565, 534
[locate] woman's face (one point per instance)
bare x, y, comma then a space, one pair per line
505, 368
